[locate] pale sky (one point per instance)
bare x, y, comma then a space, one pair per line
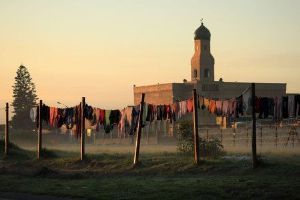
100, 49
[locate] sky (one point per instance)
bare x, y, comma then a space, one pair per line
100, 49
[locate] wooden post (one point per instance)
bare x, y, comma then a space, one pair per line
261, 137
276, 135
196, 137
207, 134
82, 131
254, 156
40, 121
139, 129
6, 145
148, 130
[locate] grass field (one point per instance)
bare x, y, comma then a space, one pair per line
165, 175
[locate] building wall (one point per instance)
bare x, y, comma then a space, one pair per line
171, 92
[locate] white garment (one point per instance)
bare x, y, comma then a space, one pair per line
33, 114
247, 104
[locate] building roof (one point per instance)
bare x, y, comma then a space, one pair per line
202, 33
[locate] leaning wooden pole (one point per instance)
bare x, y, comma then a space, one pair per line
82, 132
139, 129
6, 144
40, 130
254, 156
196, 137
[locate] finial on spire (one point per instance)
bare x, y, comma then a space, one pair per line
201, 21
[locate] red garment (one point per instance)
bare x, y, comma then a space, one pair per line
53, 116
102, 116
257, 105
190, 105
212, 106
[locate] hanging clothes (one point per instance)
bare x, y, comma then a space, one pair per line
277, 108
107, 127
114, 117
225, 107
53, 116
33, 114
201, 102
145, 112
239, 106
206, 103
212, 106
122, 122
285, 109
88, 112
135, 119
159, 112
219, 107
45, 113
182, 109
297, 103
291, 106
232, 108
247, 102
150, 113
190, 105
77, 120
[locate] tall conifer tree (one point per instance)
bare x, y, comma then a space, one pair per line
24, 98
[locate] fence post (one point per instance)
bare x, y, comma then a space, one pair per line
40, 121
82, 131
276, 135
6, 150
138, 136
196, 136
254, 155
261, 137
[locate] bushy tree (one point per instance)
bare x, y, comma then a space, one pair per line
185, 144
24, 98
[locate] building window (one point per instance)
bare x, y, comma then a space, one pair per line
206, 73
204, 47
195, 73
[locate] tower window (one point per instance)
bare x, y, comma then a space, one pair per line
195, 73
206, 73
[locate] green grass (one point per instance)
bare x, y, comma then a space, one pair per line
159, 176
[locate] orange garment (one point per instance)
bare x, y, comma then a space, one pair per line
53, 116
206, 103
190, 105
212, 106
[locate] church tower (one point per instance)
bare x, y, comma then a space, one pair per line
202, 63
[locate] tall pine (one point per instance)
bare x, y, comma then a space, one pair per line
24, 98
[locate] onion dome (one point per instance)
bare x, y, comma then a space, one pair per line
202, 33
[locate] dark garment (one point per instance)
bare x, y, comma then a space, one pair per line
150, 114
164, 112
77, 120
114, 117
60, 117
285, 110
271, 105
239, 106
266, 106
169, 113
135, 118
45, 113
88, 112
297, 102
69, 114
159, 112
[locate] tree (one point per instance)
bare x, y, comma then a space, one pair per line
24, 98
